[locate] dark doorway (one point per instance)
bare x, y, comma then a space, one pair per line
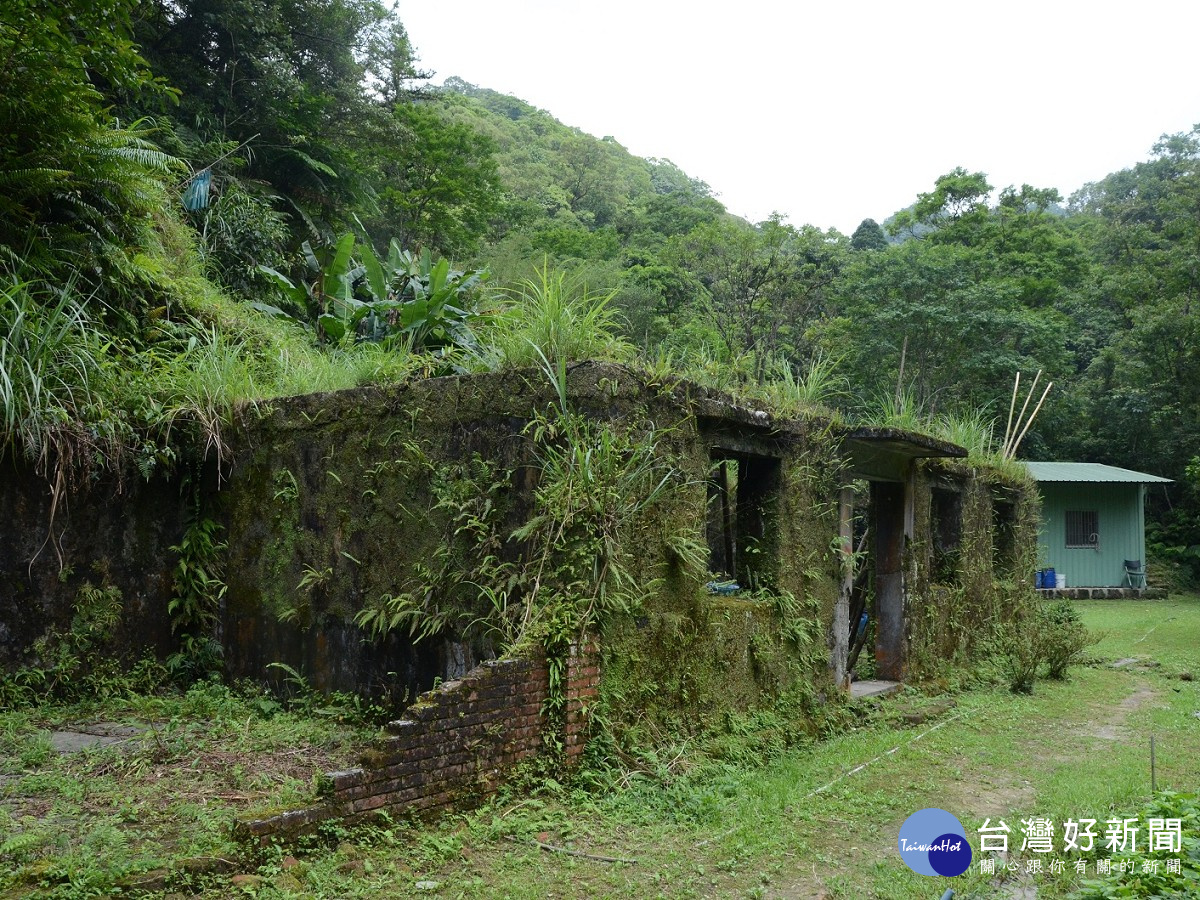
888, 507
742, 493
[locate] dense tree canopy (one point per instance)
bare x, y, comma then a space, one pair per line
153, 152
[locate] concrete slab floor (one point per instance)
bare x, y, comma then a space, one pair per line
98, 734
860, 689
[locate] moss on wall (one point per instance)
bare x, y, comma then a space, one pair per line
107, 532
339, 500
953, 609
693, 658
336, 502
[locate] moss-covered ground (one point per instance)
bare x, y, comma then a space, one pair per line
739, 816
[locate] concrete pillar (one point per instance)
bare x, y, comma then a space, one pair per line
840, 644
891, 515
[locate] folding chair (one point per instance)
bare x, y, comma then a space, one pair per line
1135, 573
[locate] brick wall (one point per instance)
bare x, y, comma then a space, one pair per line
456, 745
583, 688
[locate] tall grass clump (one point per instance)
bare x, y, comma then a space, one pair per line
976, 431
819, 386
899, 409
705, 363
203, 385
551, 316
973, 430
49, 354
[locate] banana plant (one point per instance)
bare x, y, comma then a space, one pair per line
434, 301
405, 296
329, 294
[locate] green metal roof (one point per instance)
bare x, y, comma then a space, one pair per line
1069, 471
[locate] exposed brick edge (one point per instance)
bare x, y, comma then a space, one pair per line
583, 689
458, 742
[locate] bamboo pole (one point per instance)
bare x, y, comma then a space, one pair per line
1029, 421
1008, 449
1012, 405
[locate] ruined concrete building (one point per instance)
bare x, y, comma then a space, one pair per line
780, 558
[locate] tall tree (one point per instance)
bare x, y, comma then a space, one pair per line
961, 336
868, 236
440, 188
1143, 225
955, 206
288, 76
761, 285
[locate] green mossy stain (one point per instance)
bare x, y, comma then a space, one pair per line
364, 507
950, 621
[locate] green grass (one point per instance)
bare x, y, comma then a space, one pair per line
550, 317
800, 823
1077, 748
1165, 631
77, 824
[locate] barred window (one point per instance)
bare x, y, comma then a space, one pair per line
1083, 528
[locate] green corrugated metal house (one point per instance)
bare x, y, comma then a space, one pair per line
1093, 519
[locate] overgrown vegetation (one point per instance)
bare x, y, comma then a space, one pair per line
154, 205
221, 750
194, 201
754, 808
566, 568
195, 608
71, 664
1128, 876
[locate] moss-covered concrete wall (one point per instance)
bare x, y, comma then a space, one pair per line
957, 593
338, 500
334, 502
106, 534
690, 657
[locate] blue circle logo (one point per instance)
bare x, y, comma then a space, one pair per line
933, 842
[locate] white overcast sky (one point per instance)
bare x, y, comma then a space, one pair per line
833, 112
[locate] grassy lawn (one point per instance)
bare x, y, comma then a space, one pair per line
807, 822
158, 779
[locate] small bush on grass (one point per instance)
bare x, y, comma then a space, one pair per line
1054, 636
1064, 637
1019, 655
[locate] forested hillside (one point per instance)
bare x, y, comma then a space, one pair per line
209, 202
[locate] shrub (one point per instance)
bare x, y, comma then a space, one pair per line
550, 319
1063, 637
1020, 652
1055, 636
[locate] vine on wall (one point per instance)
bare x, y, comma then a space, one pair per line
195, 605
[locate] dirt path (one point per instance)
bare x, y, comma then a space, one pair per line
968, 788
1114, 729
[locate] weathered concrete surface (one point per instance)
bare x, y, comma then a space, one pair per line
861, 689
96, 734
1103, 593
